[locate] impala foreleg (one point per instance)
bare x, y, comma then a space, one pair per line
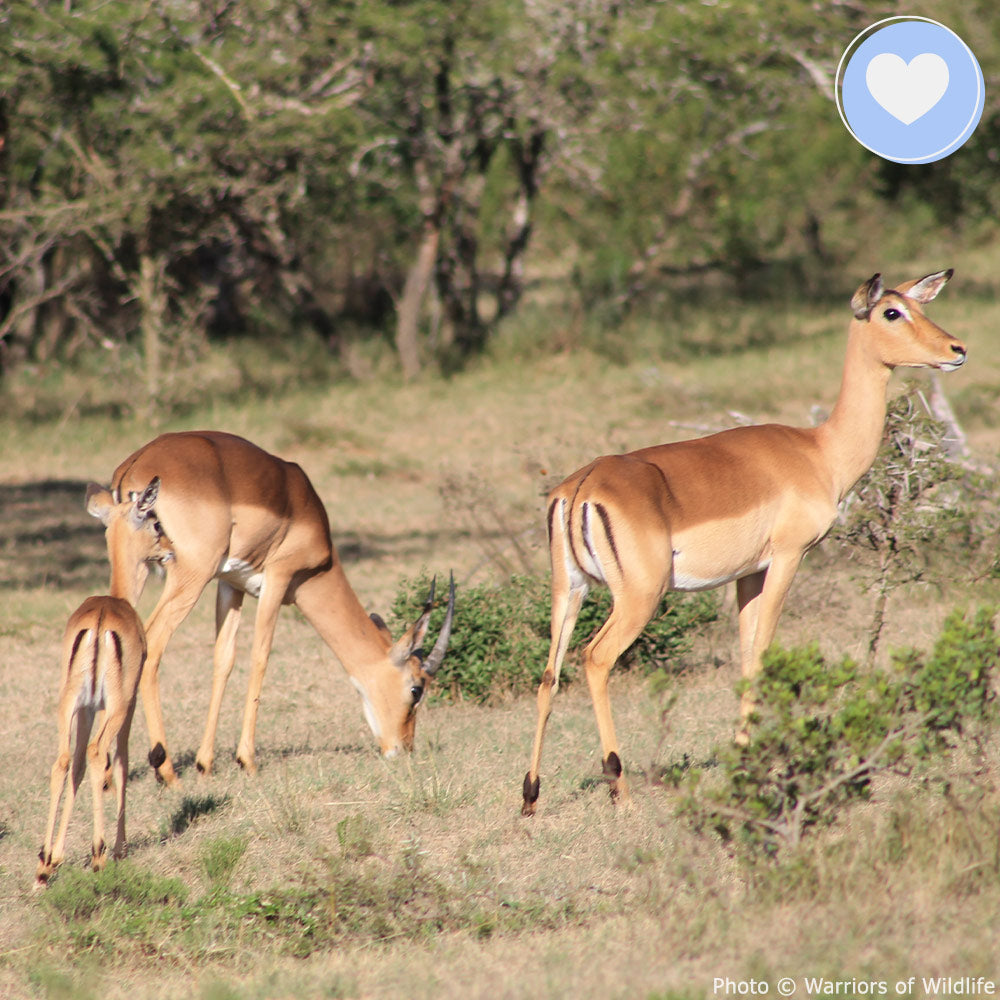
268, 606
228, 607
180, 594
760, 598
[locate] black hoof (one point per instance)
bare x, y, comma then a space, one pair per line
530, 795
157, 756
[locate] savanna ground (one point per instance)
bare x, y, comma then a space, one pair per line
335, 873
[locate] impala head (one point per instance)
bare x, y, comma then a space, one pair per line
135, 536
898, 331
391, 699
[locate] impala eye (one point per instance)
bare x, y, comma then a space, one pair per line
416, 693
892, 314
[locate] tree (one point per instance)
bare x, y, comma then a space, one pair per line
170, 152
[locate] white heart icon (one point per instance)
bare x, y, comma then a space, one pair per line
907, 90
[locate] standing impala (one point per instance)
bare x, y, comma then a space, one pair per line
745, 504
230, 511
103, 651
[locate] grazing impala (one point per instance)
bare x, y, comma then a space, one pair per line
103, 651
230, 511
745, 504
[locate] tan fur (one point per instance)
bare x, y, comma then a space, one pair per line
743, 505
104, 648
230, 511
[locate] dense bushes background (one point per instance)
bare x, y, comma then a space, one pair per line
176, 171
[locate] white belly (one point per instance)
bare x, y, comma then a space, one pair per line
687, 575
242, 576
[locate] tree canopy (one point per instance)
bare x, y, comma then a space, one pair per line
178, 169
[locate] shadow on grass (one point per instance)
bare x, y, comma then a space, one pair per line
48, 539
193, 807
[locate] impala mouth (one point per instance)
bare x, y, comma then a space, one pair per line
950, 366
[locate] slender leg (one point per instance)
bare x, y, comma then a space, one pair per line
761, 598
228, 607
96, 756
57, 782
748, 590
120, 768
183, 588
272, 593
629, 616
84, 723
566, 604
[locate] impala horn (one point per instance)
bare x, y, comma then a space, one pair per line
433, 661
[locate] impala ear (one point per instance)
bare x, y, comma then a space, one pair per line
142, 505
99, 502
409, 642
925, 289
864, 299
381, 625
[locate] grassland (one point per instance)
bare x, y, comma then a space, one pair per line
334, 873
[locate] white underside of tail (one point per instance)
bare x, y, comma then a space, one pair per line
589, 569
590, 559
92, 690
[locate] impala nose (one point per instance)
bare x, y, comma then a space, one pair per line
960, 354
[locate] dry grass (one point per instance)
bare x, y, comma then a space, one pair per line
583, 900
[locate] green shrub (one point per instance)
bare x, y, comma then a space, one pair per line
500, 637
822, 731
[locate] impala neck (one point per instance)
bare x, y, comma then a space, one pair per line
333, 609
850, 438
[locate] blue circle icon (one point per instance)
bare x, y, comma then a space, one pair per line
910, 90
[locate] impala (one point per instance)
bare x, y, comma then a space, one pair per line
103, 651
230, 511
745, 504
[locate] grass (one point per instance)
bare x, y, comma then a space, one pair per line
334, 873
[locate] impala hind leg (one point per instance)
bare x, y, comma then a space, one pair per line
566, 605
47, 858
629, 616
119, 727
54, 851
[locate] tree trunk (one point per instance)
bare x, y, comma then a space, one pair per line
408, 310
153, 306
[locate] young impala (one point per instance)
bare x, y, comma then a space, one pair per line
745, 504
230, 511
103, 651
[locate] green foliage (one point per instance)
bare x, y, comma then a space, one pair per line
500, 637
219, 859
275, 169
952, 690
821, 731
125, 911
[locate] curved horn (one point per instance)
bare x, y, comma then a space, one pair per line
433, 661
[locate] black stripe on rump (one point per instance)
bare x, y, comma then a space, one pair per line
602, 513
